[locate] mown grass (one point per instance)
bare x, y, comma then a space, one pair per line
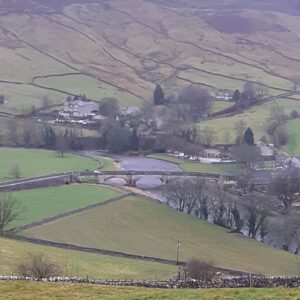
140, 226
190, 166
45, 291
40, 162
45, 202
81, 264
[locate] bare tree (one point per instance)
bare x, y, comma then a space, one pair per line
257, 221
286, 187
201, 270
185, 195
62, 144
38, 266
29, 133
208, 135
278, 115
240, 128
13, 131
9, 211
195, 101
226, 137
15, 172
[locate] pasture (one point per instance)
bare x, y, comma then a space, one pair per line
190, 166
41, 203
91, 87
256, 117
144, 227
48, 291
81, 264
293, 146
41, 162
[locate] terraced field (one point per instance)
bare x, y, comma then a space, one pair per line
143, 227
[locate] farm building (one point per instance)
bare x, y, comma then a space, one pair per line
80, 108
224, 95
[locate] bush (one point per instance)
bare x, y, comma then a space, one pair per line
294, 115
200, 270
38, 266
280, 137
271, 126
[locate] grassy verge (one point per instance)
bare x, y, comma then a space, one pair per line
189, 166
42, 203
25, 290
139, 226
75, 263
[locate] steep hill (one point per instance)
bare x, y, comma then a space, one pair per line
123, 49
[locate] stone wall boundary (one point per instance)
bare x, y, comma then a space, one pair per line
232, 282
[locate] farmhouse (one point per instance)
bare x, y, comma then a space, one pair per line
211, 153
80, 107
224, 95
129, 111
265, 150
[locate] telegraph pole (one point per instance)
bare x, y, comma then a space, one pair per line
178, 249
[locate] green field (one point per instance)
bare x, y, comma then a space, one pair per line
255, 117
41, 162
81, 264
45, 202
189, 166
293, 146
139, 226
46, 291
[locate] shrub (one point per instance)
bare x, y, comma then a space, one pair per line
271, 126
38, 266
280, 136
200, 270
294, 115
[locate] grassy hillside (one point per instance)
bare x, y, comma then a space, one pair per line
74, 263
143, 227
175, 44
46, 291
42, 203
41, 162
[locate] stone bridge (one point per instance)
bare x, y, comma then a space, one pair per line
131, 178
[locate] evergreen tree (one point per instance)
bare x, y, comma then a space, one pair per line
159, 96
135, 140
249, 137
236, 96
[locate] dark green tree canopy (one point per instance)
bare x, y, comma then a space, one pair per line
159, 96
249, 137
236, 96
